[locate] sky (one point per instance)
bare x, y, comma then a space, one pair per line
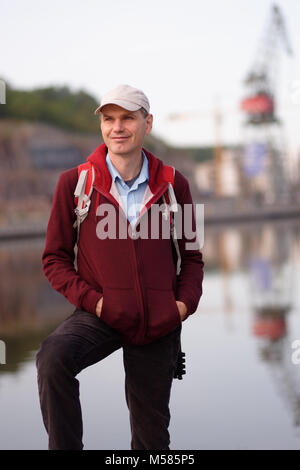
189, 57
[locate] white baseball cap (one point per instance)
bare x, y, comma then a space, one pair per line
127, 97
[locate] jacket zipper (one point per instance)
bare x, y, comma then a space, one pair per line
137, 282
144, 309
156, 197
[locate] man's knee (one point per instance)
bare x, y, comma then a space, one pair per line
53, 357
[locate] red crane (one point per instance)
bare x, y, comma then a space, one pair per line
259, 105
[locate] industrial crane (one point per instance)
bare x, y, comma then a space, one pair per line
263, 161
261, 79
261, 166
217, 116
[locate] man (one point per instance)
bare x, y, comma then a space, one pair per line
126, 289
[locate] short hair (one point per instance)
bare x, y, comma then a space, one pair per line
144, 112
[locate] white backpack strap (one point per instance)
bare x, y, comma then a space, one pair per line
173, 207
84, 200
172, 197
174, 236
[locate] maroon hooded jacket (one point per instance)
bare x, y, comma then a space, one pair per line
136, 277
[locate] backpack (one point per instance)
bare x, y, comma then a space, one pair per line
84, 189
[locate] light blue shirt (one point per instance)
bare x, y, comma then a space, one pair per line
131, 197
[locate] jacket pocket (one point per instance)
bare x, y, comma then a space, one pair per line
163, 313
120, 310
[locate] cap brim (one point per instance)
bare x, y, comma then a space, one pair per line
122, 103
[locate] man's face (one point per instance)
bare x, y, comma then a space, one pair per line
123, 131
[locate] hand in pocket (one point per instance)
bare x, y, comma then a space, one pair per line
182, 309
99, 307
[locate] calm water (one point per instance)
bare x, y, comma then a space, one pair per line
241, 390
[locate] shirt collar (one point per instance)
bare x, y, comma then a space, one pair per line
143, 176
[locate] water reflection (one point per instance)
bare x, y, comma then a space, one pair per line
262, 260
29, 308
268, 253
273, 274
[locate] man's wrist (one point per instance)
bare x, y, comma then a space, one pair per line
183, 310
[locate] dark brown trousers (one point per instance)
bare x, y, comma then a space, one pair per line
82, 340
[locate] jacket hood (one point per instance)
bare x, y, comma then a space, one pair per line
103, 177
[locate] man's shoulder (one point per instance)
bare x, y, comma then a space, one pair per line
68, 178
181, 183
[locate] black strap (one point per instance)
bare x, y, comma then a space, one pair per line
180, 367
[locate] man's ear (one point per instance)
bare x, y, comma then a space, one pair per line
149, 122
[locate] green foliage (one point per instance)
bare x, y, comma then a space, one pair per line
53, 105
